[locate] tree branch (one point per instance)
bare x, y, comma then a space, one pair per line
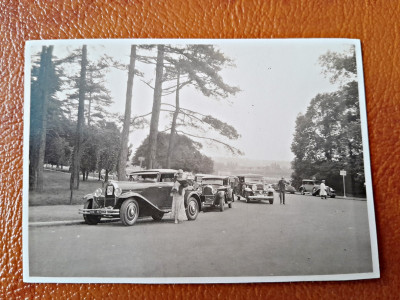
229, 147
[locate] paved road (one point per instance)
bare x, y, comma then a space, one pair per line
308, 236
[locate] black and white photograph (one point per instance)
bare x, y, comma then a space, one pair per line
196, 161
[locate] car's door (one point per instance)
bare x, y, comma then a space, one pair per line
159, 194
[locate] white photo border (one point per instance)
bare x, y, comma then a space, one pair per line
195, 280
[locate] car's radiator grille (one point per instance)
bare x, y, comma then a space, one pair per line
207, 190
260, 187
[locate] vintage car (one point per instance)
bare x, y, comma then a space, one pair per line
217, 191
148, 193
288, 188
312, 186
308, 186
252, 188
330, 192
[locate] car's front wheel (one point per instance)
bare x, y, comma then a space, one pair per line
221, 204
90, 219
192, 209
271, 201
129, 212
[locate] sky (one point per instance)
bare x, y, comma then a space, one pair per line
277, 78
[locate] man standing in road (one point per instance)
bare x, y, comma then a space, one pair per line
281, 186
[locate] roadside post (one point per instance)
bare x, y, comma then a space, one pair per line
343, 173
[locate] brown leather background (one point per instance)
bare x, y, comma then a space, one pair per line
376, 23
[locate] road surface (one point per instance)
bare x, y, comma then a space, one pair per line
308, 236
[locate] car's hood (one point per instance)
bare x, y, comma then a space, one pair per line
131, 186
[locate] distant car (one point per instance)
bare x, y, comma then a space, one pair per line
308, 186
148, 193
252, 188
217, 191
312, 186
288, 188
330, 192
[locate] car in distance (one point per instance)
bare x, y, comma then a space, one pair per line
147, 193
217, 191
288, 188
330, 192
312, 186
252, 188
308, 186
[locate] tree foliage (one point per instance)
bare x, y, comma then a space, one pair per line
186, 154
327, 137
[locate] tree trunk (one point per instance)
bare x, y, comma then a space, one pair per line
106, 176
44, 86
79, 129
171, 143
127, 119
155, 116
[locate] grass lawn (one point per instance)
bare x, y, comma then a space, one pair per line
56, 190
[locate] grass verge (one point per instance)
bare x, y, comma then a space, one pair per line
56, 190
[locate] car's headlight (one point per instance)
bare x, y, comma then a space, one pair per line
118, 192
98, 192
254, 187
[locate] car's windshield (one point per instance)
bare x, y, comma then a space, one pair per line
213, 181
254, 179
151, 177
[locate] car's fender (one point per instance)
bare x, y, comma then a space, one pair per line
194, 194
248, 190
220, 195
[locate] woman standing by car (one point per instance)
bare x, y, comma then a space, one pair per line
322, 190
178, 195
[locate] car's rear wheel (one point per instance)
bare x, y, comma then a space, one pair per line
157, 216
129, 212
90, 219
192, 209
302, 191
271, 201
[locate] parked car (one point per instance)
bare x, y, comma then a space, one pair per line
330, 192
217, 191
288, 188
252, 188
308, 186
148, 193
312, 186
